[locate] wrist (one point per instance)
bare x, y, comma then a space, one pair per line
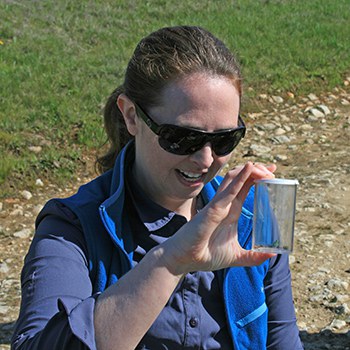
166, 258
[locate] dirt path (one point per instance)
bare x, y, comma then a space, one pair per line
309, 139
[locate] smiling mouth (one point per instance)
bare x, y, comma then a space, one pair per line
191, 177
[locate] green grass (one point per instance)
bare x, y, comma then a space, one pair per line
59, 60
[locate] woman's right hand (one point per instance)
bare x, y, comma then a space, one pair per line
210, 240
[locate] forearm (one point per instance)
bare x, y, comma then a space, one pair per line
127, 309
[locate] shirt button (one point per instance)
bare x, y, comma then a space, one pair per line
193, 322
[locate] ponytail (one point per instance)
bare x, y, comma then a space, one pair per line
117, 133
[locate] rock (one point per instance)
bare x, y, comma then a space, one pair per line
3, 309
324, 269
280, 131
35, 149
280, 157
277, 99
17, 212
312, 97
337, 284
260, 150
306, 127
38, 182
342, 309
328, 244
291, 259
25, 233
267, 126
337, 324
281, 139
324, 109
316, 113
316, 298
311, 118
26, 195
263, 96
341, 298
4, 268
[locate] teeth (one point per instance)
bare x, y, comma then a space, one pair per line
191, 176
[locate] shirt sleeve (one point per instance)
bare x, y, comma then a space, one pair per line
283, 333
57, 304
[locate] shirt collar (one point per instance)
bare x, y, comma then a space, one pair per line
152, 215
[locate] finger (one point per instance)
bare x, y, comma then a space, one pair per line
259, 171
272, 167
251, 258
230, 175
233, 185
263, 171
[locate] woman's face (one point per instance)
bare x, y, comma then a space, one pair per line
201, 101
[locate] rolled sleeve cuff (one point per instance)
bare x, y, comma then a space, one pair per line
81, 319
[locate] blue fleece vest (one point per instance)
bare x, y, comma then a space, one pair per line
99, 207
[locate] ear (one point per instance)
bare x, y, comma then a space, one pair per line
128, 111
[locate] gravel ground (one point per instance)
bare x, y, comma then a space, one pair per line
309, 140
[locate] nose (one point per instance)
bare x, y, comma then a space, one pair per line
203, 157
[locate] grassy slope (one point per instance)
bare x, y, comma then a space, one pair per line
59, 60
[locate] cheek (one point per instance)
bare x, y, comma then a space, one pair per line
221, 162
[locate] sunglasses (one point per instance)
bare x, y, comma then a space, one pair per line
184, 141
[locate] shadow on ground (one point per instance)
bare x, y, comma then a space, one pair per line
6, 330
325, 340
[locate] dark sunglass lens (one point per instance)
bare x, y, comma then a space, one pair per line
182, 141
179, 140
225, 144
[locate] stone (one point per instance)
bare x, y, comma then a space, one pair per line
324, 109
316, 113
337, 324
341, 298
312, 97
35, 149
38, 182
277, 99
291, 259
25, 233
280, 157
260, 149
306, 127
267, 126
26, 194
337, 284
3, 309
4, 268
342, 309
281, 139
280, 131
17, 212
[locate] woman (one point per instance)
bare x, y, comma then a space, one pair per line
147, 255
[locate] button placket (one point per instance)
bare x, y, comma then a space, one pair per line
191, 306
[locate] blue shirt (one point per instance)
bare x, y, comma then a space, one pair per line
194, 317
